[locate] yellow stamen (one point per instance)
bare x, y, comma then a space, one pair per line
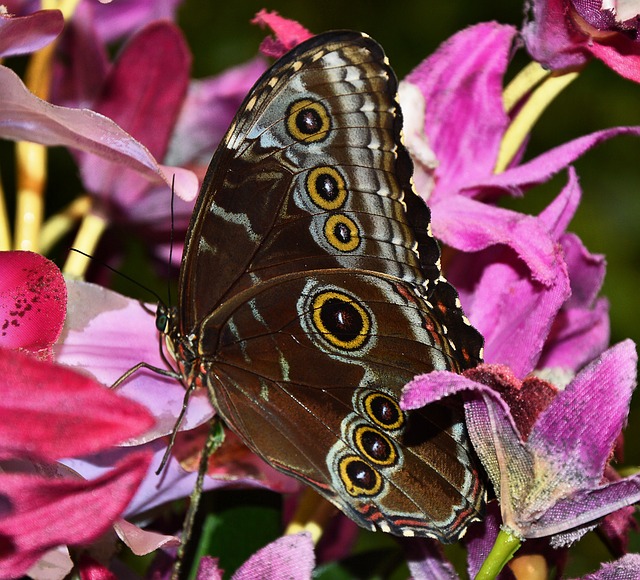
60, 224
86, 240
312, 515
5, 232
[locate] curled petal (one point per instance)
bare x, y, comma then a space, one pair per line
288, 33
24, 34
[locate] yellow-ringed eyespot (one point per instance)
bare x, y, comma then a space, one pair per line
326, 188
308, 121
384, 411
341, 320
375, 446
342, 233
358, 477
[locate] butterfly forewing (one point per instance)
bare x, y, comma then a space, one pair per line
310, 297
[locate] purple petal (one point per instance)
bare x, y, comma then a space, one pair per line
287, 557
143, 93
24, 117
627, 567
107, 334
426, 560
584, 508
586, 271
207, 112
470, 226
481, 537
578, 429
208, 569
465, 118
541, 168
117, 19
24, 34
551, 39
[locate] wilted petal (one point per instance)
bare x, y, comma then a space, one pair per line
288, 33
559, 213
25, 117
106, 334
76, 512
43, 411
465, 118
143, 93
24, 34
140, 541
56, 564
427, 561
287, 557
33, 301
576, 433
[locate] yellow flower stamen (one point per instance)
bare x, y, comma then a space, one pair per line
87, 239
312, 515
60, 224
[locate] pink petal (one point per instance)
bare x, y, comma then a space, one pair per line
24, 34
54, 565
288, 33
426, 559
579, 428
50, 512
33, 301
43, 411
208, 569
287, 557
559, 213
106, 334
464, 117
24, 117
143, 93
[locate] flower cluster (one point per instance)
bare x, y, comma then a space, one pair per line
545, 412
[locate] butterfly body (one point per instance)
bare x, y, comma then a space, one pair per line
310, 293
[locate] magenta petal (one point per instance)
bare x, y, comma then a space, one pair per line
24, 117
24, 34
559, 213
143, 93
584, 508
586, 271
33, 302
465, 118
622, 56
287, 557
46, 513
43, 411
208, 569
541, 168
578, 429
288, 33
470, 226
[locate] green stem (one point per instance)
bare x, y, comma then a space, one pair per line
505, 547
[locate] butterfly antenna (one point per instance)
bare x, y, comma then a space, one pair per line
173, 196
122, 274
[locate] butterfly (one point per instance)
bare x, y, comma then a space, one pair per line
310, 293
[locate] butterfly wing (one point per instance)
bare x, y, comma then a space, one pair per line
314, 295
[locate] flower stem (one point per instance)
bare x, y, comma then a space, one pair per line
529, 114
505, 547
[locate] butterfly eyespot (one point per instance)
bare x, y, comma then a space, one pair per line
341, 320
342, 233
358, 477
375, 446
308, 121
384, 411
326, 188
